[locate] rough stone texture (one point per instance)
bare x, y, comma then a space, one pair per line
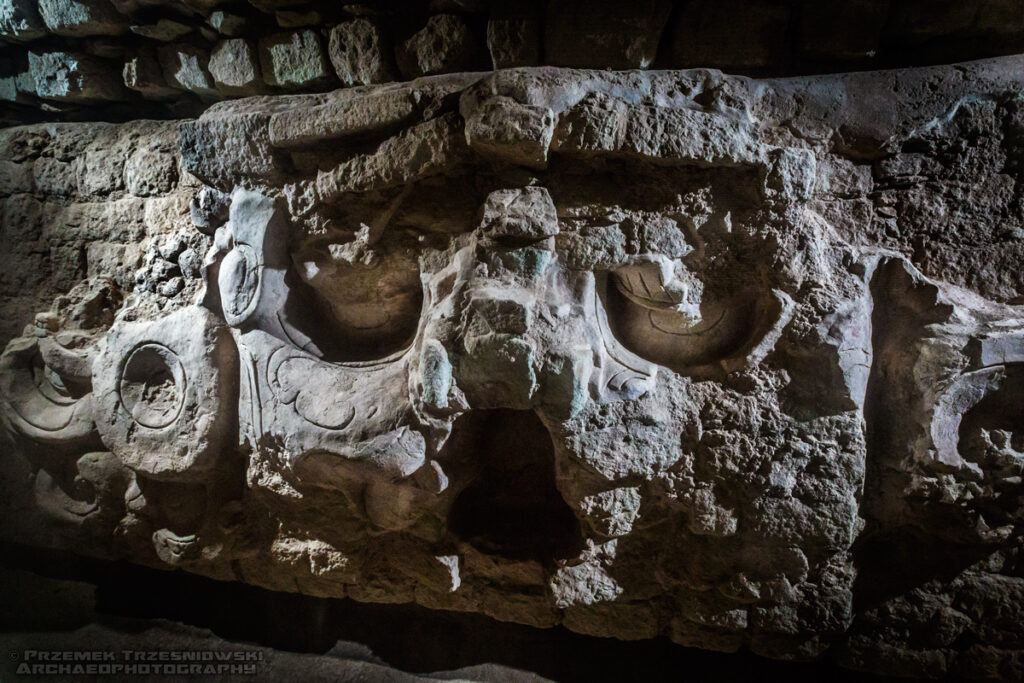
444, 44
143, 73
294, 60
187, 67
78, 18
235, 68
67, 76
735, 362
20, 20
360, 53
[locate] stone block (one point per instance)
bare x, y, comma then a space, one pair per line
186, 66
20, 20
71, 77
444, 45
235, 68
294, 61
80, 18
360, 53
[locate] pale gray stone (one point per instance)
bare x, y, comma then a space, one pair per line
227, 24
294, 61
360, 53
149, 172
66, 76
78, 18
142, 72
234, 66
20, 20
187, 67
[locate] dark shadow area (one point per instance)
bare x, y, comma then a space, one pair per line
893, 556
896, 562
512, 508
407, 637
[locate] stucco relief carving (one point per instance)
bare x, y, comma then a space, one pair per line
553, 346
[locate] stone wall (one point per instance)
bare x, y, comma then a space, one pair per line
123, 59
730, 361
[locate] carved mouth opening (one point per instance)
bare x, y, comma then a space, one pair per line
512, 508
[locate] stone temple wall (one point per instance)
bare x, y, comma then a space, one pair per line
732, 361
126, 59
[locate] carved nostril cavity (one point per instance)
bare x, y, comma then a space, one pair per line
152, 385
513, 507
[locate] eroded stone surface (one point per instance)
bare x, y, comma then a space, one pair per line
736, 362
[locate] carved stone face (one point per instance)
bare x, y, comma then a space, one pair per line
556, 347
513, 374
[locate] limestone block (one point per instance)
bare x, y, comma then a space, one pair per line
294, 61
164, 390
227, 24
504, 130
142, 73
444, 45
360, 53
73, 77
235, 68
78, 18
187, 67
20, 20
149, 172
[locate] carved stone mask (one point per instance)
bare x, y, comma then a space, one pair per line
595, 349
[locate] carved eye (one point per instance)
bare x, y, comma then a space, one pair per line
369, 310
670, 319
